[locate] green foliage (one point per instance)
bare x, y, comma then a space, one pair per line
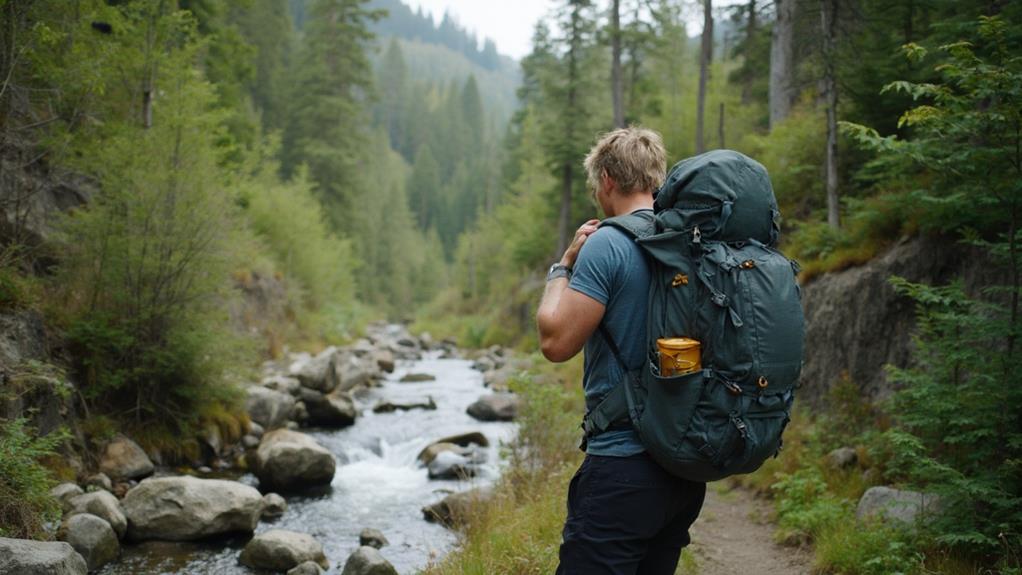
291, 222
146, 263
517, 531
805, 507
25, 502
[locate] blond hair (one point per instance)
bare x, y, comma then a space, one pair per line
633, 157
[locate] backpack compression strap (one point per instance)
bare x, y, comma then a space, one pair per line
614, 406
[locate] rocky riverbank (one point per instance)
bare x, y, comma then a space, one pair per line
292, 454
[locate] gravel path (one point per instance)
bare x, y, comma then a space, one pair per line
734, 536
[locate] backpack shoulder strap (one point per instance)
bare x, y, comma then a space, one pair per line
639, 225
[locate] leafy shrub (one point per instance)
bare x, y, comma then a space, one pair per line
25, 502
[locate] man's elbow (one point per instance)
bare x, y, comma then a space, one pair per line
555, 351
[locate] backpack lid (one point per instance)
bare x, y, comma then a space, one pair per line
726, 193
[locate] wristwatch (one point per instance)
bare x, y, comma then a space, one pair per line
558, 270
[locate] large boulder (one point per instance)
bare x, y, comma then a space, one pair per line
23, 557
351, 371
289, 460
495, 407
368, 561
896, 505
124, 459
280, 550
269, 408
317, 372
102, 504
92, 537
188, 508
455, 509
335, 409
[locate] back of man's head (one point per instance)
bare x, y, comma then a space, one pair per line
633, 157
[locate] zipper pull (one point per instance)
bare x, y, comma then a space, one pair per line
697, 236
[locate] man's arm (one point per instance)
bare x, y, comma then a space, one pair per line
566, 318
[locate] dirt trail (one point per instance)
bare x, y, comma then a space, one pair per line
734, 536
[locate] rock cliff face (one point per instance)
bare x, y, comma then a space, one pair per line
856, 323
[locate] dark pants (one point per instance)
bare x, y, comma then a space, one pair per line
626, 515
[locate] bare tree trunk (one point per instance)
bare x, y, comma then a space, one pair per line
704, 72
782, 62
828, 17
615, 65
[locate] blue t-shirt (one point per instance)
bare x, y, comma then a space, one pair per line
612, 269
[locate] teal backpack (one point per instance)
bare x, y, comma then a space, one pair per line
717, 278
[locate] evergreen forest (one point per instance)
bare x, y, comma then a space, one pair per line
190, 188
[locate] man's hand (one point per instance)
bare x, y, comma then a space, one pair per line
566, 318
583, 232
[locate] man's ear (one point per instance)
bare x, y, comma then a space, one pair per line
608, 182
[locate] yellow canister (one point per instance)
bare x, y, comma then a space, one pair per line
678, 356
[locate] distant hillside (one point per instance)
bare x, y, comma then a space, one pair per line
403, 23
440, 65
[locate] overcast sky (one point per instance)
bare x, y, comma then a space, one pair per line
508, 22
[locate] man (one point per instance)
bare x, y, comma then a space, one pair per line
626, 515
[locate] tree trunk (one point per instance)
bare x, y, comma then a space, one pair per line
704, 72
615, 65
720, 127
828, 17
782, 62
564, 235
750, 35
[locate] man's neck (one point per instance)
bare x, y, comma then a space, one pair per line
628, 204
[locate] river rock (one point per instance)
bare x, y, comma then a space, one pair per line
368, 561
273, 506
307, 568
451, 465
250, 442
92, 537
103, 505
290, 460
280, 550
99, 481
484, 363
65, 492
391, 406
335, 409
495, 407
124, 459
429, 452
895, 505
456, 508
842, 458
283, 384
351, 371
270, 409
384, 359
24, 557
187, 508
373, 538
417, 377
317, 372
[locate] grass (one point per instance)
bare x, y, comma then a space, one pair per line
518, 531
